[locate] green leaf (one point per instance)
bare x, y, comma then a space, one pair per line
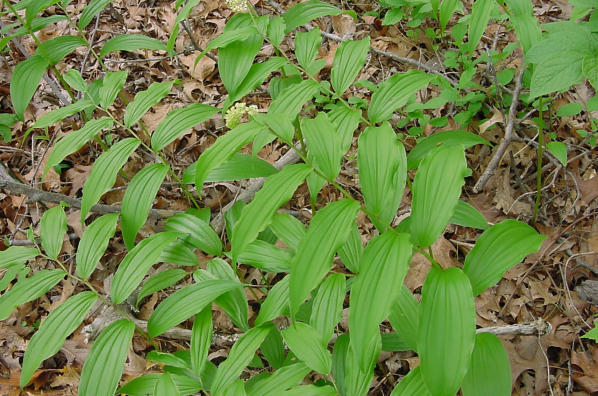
392, 342
238, 358
447, 7
446, 330
276, 302
226, 37
467, 216
279, 123
52, 231
489, 372
570, 109
350, 252
305, 342
304, 12
136, 263
499, 248
436, 191
480, 15
395, 92
178, 121
328, 230
24, 81
559, 150
385, 262
131, 42
310, 390
144, 385
104, 172
93, 8
324, 144
53, 330
199, 233
273, 350
144, 100
240, 166
112, 83
289, 229
589, 69
28, 289
17, 255
186, 302
349, 59
328, 306
165, 386
94, 242
592, 334
279, 381
160, 281
412, 384
404, 317
346, 119
56, 49
291, 99
167, 359
276, 30
266, 256
74, 80
138, 200
223, 149
104, 364
524, 22
61, 113
339, 359
73, 142
306, 47
382, 164
256, 76
256, 216
201, 339
180, 252
449, 138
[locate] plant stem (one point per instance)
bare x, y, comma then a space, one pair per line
539, 161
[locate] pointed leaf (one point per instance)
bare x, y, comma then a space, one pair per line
489, 371
524, 22
404, 317
56, 49
306, 46
131, 42
165, 386
411, 384
93, 8
240, 166
499, 248
276, 30
328, 230
559, 150
255, 77
350, 252
144, 100
327, 308
24, 81
447, 7
305, 342
291, 100
61, 113
446, 330
178, 121
199, 233
227, 37
111, 85
53, 330
160, 281
324, 144
267, 257
105, 362
180, 252
94, 242
307, 11
138, 200
17, 255
467, 216
201, 339
104, 172
339, 360
280, 380
349, 59
136, 263
74, 80
346, 119
53, 230
288, 229
480, 15
276, 302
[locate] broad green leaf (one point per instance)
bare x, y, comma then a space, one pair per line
61, 113
282, 379
559, 150
199, 233
276, 302
339, 362
104, 172
467, 216
489, 371
310, 390
240, 166
384, 265
11, 273
180, 252
131, 42
53, 230
28, 289
499, 248
357, 381
346, 119
138, 200
447, 7
412, 384
94, 242
279, 123
136, 263
276, 30
569, 110
589, 68
166, 386
186, 302
395, 92
592, 334
201, 339
446, 330
349, 59
74, 80
105, 362
17, 255
56, 49
183, 14
277, 190
167, 359
392, 342
227, 37
555, 75
93, 8
239, 356
160, 281
291, 100
223, 149
382, 164
145, 385
53, 330
178, 121
480, 15
144, 100
305, 342
288, 228
328, 230
304, 12
306, 49
449, 138
327, 308
73, 142
404, 317
436, 191
525, 23
273, 350
112, 83
324, 144
24, 81
350, 252
266, 256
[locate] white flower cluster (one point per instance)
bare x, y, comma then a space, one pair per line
234, 115
237, 5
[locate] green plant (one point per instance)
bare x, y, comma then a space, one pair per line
311, 290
